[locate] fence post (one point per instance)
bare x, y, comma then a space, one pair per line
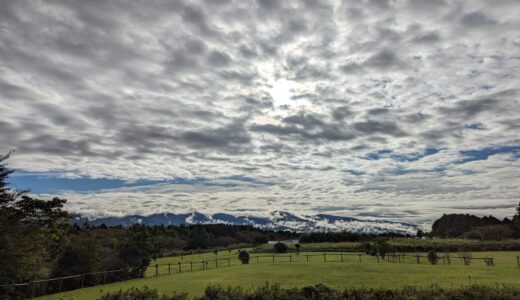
191, 266
518, 261
180, 267
82, 280
32, 289
307, 255
359, 258
290, 258
156, 270
169, 269
273, 258
257, 260
324, 257
418, 260
105, 277
61, 281
216, 263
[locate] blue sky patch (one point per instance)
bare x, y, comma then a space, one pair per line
476, 126
483, 154
401, 157
55, 183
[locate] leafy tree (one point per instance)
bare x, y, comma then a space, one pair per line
243, 256
280, 247
31, 229
260, 240
199, 238
372, 251
82, 254
136, 252
382, 248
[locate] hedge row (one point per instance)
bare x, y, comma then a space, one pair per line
271, 292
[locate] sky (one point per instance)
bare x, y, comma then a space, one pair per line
399, 110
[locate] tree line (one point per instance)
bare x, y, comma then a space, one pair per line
38, 240
478, 228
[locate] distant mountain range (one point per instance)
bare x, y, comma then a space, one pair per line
276, 220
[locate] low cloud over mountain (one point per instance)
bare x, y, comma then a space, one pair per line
277, 220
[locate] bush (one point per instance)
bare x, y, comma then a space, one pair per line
382, 248
280, 247
243, 256
298, 247
372, 251
433, 257
320, 291
366, 247
143, 293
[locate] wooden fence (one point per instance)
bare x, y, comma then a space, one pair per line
59, 284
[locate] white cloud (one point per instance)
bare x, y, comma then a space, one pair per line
176, 89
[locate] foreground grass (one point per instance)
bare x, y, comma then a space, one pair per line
349, 273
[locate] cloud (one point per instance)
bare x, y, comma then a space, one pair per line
139, 90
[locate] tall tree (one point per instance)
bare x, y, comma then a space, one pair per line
29, 230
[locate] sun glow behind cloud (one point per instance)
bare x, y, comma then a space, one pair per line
400, 109
282, 91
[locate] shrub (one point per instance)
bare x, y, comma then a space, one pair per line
382, 248
243, 256
320, 291
141, 293
433, 257
280, 247
367, 247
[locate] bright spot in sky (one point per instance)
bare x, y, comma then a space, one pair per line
281, 92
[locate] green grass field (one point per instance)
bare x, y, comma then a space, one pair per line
349, 273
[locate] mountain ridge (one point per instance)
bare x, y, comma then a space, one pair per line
276, 220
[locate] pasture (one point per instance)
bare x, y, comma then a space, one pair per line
307, 268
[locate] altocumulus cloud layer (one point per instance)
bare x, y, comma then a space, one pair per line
395, 109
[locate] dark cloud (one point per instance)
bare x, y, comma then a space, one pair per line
219, 59
427, 38
231, 138
476, 19
384, 127
467, 109
342, 112
384, 60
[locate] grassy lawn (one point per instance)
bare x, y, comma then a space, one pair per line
299, 272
